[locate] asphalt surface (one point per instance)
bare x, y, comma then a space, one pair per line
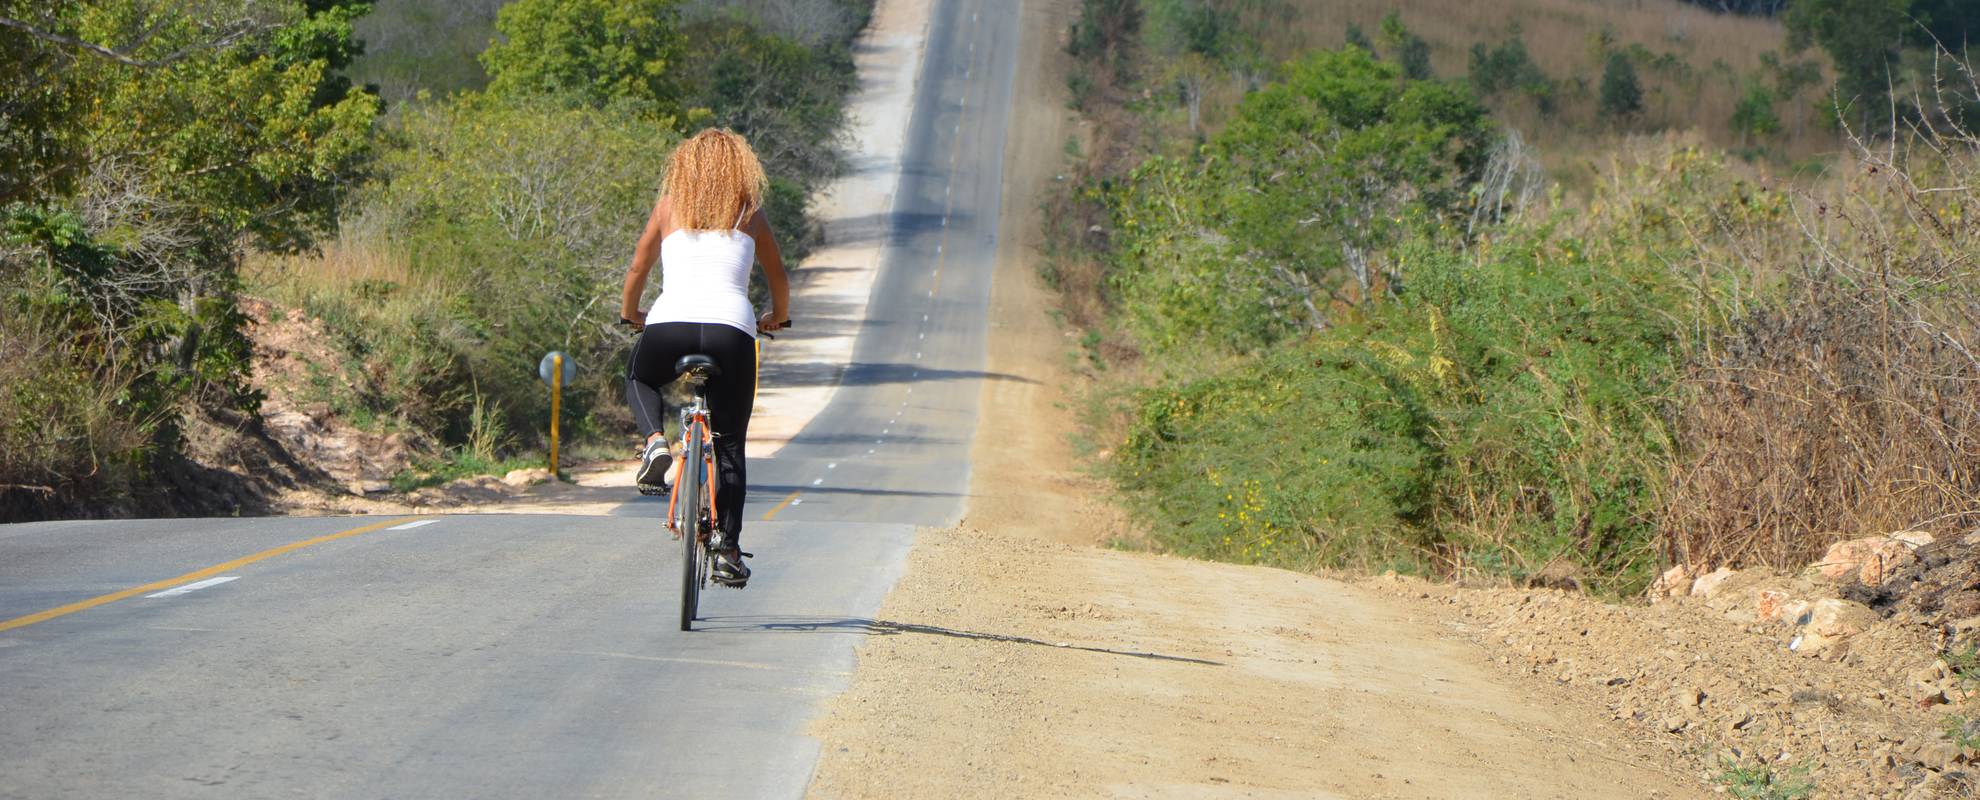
532, 656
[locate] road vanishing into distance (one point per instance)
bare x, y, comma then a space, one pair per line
534, 656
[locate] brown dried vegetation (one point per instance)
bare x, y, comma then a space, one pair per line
1852, 405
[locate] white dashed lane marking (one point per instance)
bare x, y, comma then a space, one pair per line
413, 524
193, 587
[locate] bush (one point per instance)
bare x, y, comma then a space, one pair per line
1507, 67
127, 207
1282, 213
1622, 95
597, 52
1504, 414
489, 238
1847, 404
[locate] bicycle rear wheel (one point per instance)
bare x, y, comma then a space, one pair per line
687, 507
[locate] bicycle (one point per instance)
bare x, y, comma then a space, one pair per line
685, 510
691, 504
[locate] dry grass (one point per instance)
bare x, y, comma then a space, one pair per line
65, 439
1851, 406
1563, 38
349, 274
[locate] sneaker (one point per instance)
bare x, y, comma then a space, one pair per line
729, 569
653, 465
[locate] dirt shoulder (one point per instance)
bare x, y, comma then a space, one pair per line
1030, 668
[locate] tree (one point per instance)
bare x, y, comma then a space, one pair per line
1622, 95
1411, 52
1356, 38
1105, 31
1754, 116
1508, 67
1790, 79
1862, 38
1286, 209
598, 51
184, 133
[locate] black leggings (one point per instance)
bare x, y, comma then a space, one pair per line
730, 399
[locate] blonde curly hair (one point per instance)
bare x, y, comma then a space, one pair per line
714, 180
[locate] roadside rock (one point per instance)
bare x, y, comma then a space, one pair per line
1775, 605
1830, 622
1675, 582
1875, 559
1706, 585
520, 478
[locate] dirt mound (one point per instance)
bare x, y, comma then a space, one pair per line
1714, 678
297, 368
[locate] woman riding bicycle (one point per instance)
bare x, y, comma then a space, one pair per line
706, 231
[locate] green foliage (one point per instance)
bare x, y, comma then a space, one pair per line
1622, 95
1356, 38
1764, 781
598, 52
1862, 39
42, 99
1241, 245
1408, 49
1105, 32
511, 217
1177, 27
788, 98
1754, 116
138, 192
1506, 68
1502, 412
424, 45
1498, 412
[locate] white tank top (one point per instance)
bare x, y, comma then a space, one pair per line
704, 277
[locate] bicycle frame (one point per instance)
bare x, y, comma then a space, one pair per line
697, 476
697, 444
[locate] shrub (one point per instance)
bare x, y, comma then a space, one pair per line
490, 235
1848, 403
597, 52
1622, 95
1504, 413
1282, 212
1507, 67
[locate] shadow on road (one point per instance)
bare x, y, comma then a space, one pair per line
881, 627
871, 374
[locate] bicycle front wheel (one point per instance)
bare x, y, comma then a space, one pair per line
688, 502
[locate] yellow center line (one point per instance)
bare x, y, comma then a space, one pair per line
768, 515
85, 605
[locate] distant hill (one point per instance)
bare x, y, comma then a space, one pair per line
1695, 66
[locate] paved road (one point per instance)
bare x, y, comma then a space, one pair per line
531, 656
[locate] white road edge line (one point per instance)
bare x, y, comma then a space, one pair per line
413, 524
193, 587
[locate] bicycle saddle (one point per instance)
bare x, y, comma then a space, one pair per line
700, 363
